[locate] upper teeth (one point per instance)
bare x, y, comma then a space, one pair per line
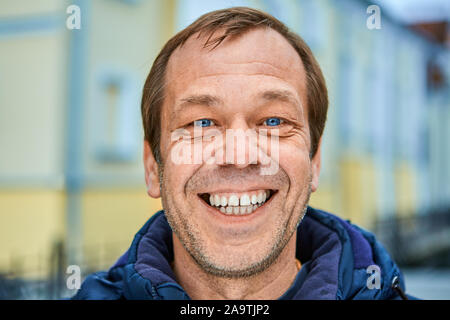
246, 199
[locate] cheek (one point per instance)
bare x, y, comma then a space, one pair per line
175, 178
176, 172
295, 161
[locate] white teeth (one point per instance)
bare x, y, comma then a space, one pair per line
260, 197
217, 200
245, 204
239, 210
223, 201
245, 200
233, 201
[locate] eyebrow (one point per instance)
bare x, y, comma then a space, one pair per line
281, 95
211, 101
201, 99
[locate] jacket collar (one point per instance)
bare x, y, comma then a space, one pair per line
334, 254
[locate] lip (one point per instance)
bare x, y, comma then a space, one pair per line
232, 219
238, 189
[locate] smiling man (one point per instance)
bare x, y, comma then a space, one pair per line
228, 98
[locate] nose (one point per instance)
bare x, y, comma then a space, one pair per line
240, 145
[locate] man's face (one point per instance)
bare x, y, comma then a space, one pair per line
254, 81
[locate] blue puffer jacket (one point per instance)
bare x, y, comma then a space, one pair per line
335, 257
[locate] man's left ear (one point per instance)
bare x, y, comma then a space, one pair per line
315, 167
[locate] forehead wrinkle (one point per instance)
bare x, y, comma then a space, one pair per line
210, 100
253, 64
223, 68
171, 82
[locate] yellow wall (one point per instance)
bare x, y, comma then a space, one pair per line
32, 101
111, 217
359, 190
30, 221
355, 194
326, 198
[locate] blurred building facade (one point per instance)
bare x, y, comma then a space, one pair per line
71, 133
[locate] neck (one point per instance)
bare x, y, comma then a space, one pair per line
268, 285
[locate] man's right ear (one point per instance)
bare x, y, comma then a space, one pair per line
151, 172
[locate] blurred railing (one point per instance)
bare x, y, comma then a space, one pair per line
48, 280
419, 239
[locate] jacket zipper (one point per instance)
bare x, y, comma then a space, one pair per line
396, 286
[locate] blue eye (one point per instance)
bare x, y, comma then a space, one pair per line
272, 122
203, 123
